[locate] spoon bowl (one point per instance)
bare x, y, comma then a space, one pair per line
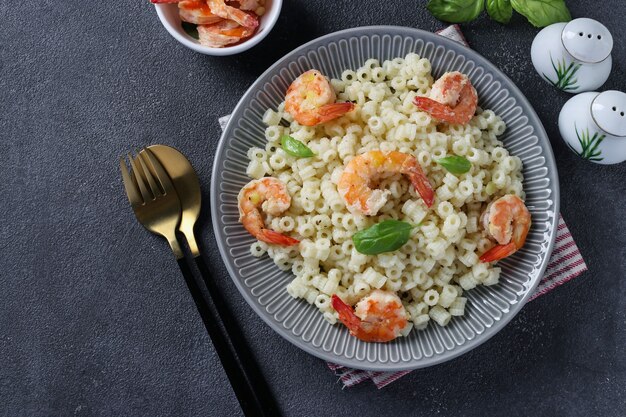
187, 186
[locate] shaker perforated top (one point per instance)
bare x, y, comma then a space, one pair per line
587, 40
609, 112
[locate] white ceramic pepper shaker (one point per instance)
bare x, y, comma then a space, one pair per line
574, 56
594, 126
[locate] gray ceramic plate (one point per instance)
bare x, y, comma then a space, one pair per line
263, 285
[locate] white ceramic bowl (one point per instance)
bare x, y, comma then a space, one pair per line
168, 14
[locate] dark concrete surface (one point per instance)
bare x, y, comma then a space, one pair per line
94, 316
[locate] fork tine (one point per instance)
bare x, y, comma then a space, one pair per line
139, 175
161, 174
148, 174
129, 185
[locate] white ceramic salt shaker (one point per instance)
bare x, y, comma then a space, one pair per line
574, 56
594, 126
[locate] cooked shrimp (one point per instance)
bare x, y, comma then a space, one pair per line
250, 4
362, 170
452, 99
220, 8
222, 33
507, 221
379, 317
197, 11
311, 99
271, 195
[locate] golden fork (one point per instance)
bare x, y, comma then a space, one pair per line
157, 206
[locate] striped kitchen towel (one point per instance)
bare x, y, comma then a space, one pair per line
565, 264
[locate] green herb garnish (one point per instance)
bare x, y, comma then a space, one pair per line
542, 13
500, 10
295, 147
456, 11
539, 13
386, 236
454, 164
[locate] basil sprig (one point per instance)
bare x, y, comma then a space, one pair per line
542, 13
500, 10
386, 236
455, 164
295, 147
539, 13
456, 11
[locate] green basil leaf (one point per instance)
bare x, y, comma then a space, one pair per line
500, 10
295, 147
456, 11
542, 13
455, 164
386, 236
191, 29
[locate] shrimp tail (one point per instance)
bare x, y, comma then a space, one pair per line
427, 104
498, 252
423, 187
270, 236
334, 110
346, 314
249, 21
324, 114
435, 109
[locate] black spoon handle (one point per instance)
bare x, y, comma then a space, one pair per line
251, 368
243, 387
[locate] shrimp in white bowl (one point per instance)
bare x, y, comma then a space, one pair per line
222, 33
198, 12
220, 8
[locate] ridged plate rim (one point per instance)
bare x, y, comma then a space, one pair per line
466, 53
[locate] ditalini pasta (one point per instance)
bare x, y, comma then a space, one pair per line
441, 258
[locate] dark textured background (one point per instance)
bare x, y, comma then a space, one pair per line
94, 316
